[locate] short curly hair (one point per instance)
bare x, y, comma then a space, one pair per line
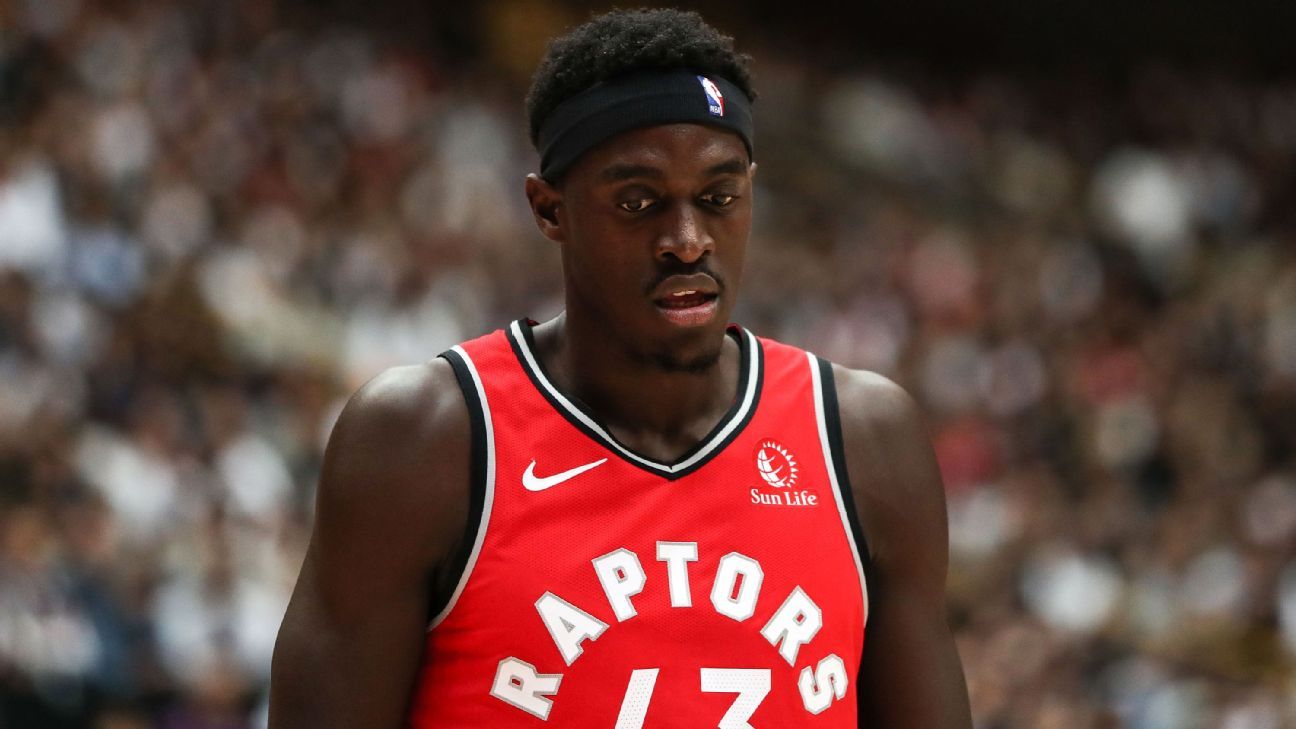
621, 42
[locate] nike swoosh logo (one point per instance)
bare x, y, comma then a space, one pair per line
533, 482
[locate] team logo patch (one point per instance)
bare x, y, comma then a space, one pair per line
715, 99
775, 464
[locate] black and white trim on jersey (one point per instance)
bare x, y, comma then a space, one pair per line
750, 378
830, 438
481, 494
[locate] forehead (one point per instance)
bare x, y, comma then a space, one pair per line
666, 150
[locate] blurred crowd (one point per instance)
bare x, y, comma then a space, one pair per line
214, 226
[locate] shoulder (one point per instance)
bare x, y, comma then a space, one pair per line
399, 457
874, 408
425, 395
398, 414
891, 465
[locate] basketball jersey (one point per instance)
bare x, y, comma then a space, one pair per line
603, 588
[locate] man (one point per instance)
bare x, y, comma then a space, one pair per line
632, 515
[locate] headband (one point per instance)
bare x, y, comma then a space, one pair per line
639, 100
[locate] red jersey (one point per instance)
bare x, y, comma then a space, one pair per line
603, 588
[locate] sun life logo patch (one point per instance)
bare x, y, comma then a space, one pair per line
775, 464
715, 99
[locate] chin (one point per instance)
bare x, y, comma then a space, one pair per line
691, 352
694, 365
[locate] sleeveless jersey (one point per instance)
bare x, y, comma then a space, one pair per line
603, 588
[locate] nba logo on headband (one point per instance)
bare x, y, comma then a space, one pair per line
715, 100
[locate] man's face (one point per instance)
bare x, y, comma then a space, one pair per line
654, 225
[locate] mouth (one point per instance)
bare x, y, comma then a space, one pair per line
687, 301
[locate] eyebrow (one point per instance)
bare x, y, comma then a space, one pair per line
620, 172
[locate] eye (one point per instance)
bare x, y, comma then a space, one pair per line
637, 205
719, 199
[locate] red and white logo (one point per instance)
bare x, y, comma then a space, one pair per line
715, 99
775, 464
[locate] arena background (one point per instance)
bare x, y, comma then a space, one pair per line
1069, 229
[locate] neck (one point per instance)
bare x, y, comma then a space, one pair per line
654, 409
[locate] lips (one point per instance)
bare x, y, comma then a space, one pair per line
679, 284
687, 300
684, 299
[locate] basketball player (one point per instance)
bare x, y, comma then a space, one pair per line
632, 515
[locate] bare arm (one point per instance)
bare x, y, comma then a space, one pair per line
910, 675
390, 510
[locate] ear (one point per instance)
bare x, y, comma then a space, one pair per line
545, 201
752, 170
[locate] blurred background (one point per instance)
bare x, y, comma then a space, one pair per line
1068, 229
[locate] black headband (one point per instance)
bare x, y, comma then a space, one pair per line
636, 101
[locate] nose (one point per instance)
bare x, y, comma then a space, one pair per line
684, 235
